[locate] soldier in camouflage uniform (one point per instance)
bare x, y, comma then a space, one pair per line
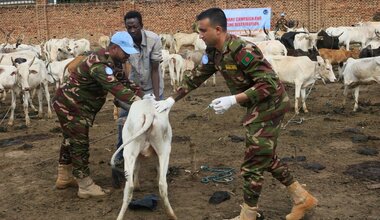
254, 85
281, 23
76, 103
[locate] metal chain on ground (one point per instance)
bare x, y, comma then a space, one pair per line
221, 175
294, 115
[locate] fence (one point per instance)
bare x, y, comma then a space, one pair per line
16, 2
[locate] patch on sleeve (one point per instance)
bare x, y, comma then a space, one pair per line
247, 58
108, 70
204, 59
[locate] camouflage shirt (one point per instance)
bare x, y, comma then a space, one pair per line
84, 91
245, 70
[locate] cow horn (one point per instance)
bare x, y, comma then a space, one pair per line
31, 63
286, 27
265, 31
246, 31
13, 62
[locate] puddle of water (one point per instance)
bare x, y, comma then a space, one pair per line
22, 139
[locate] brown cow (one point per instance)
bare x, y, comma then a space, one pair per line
338, 56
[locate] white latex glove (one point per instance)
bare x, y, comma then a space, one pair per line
164, 104
222, 104
149, 96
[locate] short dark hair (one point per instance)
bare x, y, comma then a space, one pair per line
134, 14
216, 16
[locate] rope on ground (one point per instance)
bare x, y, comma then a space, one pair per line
102, 138
299, 108
221, 175
5, 115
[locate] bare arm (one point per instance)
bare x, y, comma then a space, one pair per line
155, 79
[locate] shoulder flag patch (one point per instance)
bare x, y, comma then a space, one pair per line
247, 58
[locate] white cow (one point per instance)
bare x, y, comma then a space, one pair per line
199, 44
183, 39
254, 36
302, 72
56, 70
357, 72
35, 49
177, 66
145, 132
104, 41
165, 62
14, 79
78, 47
357, 34
167, 41
272, 48
196, 57
56, 49
39, 79
306, 41
26, 54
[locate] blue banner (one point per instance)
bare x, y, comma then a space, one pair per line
241, 20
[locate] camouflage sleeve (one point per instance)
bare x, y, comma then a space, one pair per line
110, 83
251, 61
192, 79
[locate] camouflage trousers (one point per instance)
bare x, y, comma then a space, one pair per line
260, 156
75, 144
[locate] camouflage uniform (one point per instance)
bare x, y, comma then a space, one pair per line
280, 24
245, 70
77, 101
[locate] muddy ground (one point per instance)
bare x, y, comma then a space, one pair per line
330, 139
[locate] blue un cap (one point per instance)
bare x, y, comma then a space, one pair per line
124, 41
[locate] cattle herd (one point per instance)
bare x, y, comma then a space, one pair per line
298, 57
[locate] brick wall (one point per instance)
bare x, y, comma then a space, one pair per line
90, 20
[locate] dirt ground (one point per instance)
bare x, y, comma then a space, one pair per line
328, 137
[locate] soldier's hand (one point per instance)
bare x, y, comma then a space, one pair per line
222, 104
164, 104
